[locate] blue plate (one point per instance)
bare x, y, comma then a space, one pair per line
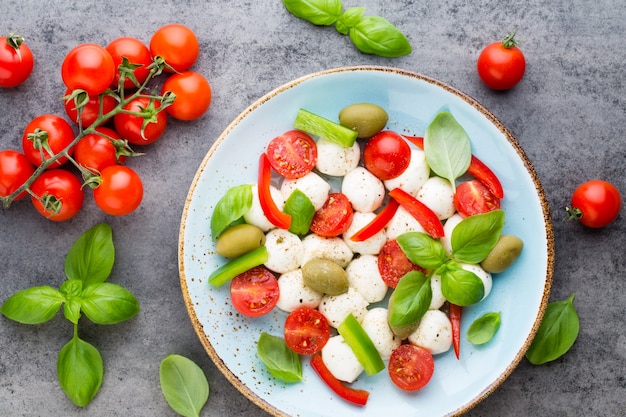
521, 293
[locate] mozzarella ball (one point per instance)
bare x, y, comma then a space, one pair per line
438, 299
255, 215
336, 160
484, 276
434, 332
363, 275
363, 189
341, 360
312, 185
377, 328
369, 246
402, 222
294, 293
448, 227
285, 251
337, 307
415, 175
438, 195
331, 248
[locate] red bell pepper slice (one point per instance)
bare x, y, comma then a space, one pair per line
424, 215
355, 396
455, 312
270, 209
377, 223
415, 140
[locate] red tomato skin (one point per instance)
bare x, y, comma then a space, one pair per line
177, 44
15, 169
411, 367
65, 186
306, 331
598, 201
292, 154
255, 292
15, 67
120, 191
60, 136
96, 152
136, 52
89, 115
193, 95
393, 264
128, 126
88, 67
386, 155
335, 216
499, 67
473, 197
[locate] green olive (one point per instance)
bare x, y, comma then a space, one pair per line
506, 251
325, 276
400, 332
239, 239
366, 118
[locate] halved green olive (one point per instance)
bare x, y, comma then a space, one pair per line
366, 118
400, 332
506, 251
325, 276
239, 239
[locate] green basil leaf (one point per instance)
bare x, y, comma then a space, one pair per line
71, 310
72, 288
301, 209
349, 19
80, 370
234, 204
475, 236
447, 147
459, 286
412, 298
556, 334
33, 305
318, 12
483, 328
91, 257
376, 35
422, 250
184, 385
282, 362
108, 303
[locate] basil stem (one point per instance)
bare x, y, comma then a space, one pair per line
318, 12
230, 208
483, 328
376, 35
184, 385
237, 266
282, 362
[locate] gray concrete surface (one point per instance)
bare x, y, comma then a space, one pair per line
569, 114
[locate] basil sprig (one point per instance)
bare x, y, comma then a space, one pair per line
184, 385
87, 265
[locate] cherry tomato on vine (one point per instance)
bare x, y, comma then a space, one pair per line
47, 133
88, 67
386, 155
90, 110
130, 126
16, 60
137, 53
501, 65
96, 151
60, 194
193, 95
119, 192
15, 169
177, 44
473, 197
595, 204
255, 292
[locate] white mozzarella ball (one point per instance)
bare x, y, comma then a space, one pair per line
293, 293
255, 215
331, 248
336, 160
363, 275
312, 185
341, 360
438, 299
285, 251
337, 307
438, 195
414, 176
434, 332
484, 276
363, 189
369, 246
448, 227
402, 222
377, 328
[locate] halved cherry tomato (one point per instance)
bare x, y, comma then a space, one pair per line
420, 211
47, 134
411, 367
306, 331
454, 313
292, 154
177, 44
193, 95
386, 155
378, 223
89, 113
393, 264
271, 211
131, 126
595, 203
119, 192
255, 292
334, 217
96, 151
473, 197
501, 65
60, 194
15, 169
137, 54
88, 67
16, 60
355, 396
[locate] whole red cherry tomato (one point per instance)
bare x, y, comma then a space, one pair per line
88, 67
131, 126
59, 194
96, 151
501, 65
90, 111
15, 169
16, 60
120, 190
137, 53
386, 155
193, 95
595, 204
44, 134
177, 44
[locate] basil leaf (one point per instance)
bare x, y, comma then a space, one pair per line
447, 147
459, 286
301, 210
318, 12
108, 303
80, 370
376, 35
483, 328
91, 257
349, 19
556, 334
412, 298
422, 250
71, 310
475, 236
282, 362
184, 385
234, 204
33, 305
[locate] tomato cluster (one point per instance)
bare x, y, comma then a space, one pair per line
105, 102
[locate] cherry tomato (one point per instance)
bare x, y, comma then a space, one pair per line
130, 126
193, 95
15, 169
91, 109
473, 197
47, 130
120, 190
292, 154
16, 60
386, 155
137, 53
306, 331
60, 194
595, 203
255, 292
411, 367
177, 44
393, 263
96, 151
334, 217
501, 65
88, 67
